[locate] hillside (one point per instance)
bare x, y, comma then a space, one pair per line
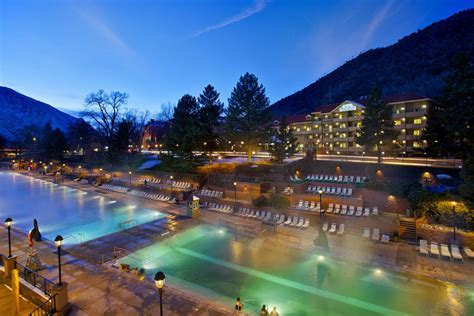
18, 111
416, 64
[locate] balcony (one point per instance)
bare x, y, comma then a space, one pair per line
410, 114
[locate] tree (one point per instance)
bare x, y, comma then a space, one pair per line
282, 142
248, 115
79, 135
377, 125
209, 112
105, 109
137, 120
123, 136
3, 141
166, 114
53, 142
184, 134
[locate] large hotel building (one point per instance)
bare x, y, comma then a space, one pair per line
333, 128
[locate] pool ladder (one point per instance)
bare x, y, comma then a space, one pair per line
77, 237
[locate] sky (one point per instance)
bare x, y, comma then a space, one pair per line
157, 51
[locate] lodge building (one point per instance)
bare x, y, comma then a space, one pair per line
333, 128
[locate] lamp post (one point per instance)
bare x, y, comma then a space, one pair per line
160, 282
130, 177
320, 204
454, 220
235, 195
8, 224
58, 241
171, 184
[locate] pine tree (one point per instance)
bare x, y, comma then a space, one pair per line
248, 116
377, 125
184, 134
282, 142
209, 112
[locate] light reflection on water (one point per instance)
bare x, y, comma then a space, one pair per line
60, 210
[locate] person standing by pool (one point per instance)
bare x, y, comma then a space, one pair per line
264, 311
238, 305
274, 312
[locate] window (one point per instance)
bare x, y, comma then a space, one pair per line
417, 132
417, 121
397, 122
416, 145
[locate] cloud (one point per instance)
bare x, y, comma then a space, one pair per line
258, 6
376, 21
100, 26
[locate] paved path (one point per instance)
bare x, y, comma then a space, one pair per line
6, 301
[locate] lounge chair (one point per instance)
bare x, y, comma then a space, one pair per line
445, 252
306, 223
294, 222
337, 209
359, 211
333, 229
325, 226
434, 249
456, 253
300, 204
338, 190
288, 221
385, 239
375, 211
306, 205
343, 191
333, 190
357, 179
351, 210
262, 215
376, 234
339, 179
280, 220
300, 223
340, 231
469, 253
366, 211
349, 192
344, 210
346, 179
330, 208
312, 205
366, 233
423, 248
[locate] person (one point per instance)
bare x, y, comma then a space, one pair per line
274, 312
238, 305
144, 182
263, 311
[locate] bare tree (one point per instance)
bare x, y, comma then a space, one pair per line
167, 112
105, 110
138, 120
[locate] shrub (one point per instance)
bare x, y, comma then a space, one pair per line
279, 202
260, 201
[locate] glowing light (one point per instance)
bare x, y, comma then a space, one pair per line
378, 272
320, 258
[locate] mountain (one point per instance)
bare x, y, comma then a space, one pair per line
18, 110
416, 64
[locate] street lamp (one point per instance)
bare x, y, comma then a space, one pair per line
130, 177
235, 195
171, 184
454, 220
320, 204
58, 241
160, 282
8, 225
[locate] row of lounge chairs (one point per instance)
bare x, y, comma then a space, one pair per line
352, 210
150, 180
333, 229
443, 251
335, 179
180, 185
115, 188
376, 235
212, 194
278, 219
330, 190
153, 196
223, 208
81, 181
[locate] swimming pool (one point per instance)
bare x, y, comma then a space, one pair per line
75, 214
207, 260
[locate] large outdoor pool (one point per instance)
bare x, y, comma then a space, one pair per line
75, 214
208, 260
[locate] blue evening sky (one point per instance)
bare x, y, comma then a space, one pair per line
58, 51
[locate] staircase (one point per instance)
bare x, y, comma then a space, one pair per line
408, 230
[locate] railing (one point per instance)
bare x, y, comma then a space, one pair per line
46, 308
128, 224
35, 279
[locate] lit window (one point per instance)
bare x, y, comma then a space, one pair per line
416, 145
417, 132
397, 122
417, 121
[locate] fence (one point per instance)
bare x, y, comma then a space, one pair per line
239, 229
35, 279
46, 308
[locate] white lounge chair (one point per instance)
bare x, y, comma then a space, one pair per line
366, 233
280, 220
349, 192
366, 211
359, 211
445, 252
434, 249
344, 210
325, 226
333, 228
330, 208
385, 239
351, 210
376, 234
469, 253
423, 248
456, 253
294, 222
340, 231
300, 223
306, 223
288, 221
337, 209
375, 210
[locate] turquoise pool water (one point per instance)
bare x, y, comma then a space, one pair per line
76, 215
208, 260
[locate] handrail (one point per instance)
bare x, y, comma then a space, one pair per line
46, 308
35, 279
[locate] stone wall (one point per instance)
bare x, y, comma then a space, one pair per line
445, 235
